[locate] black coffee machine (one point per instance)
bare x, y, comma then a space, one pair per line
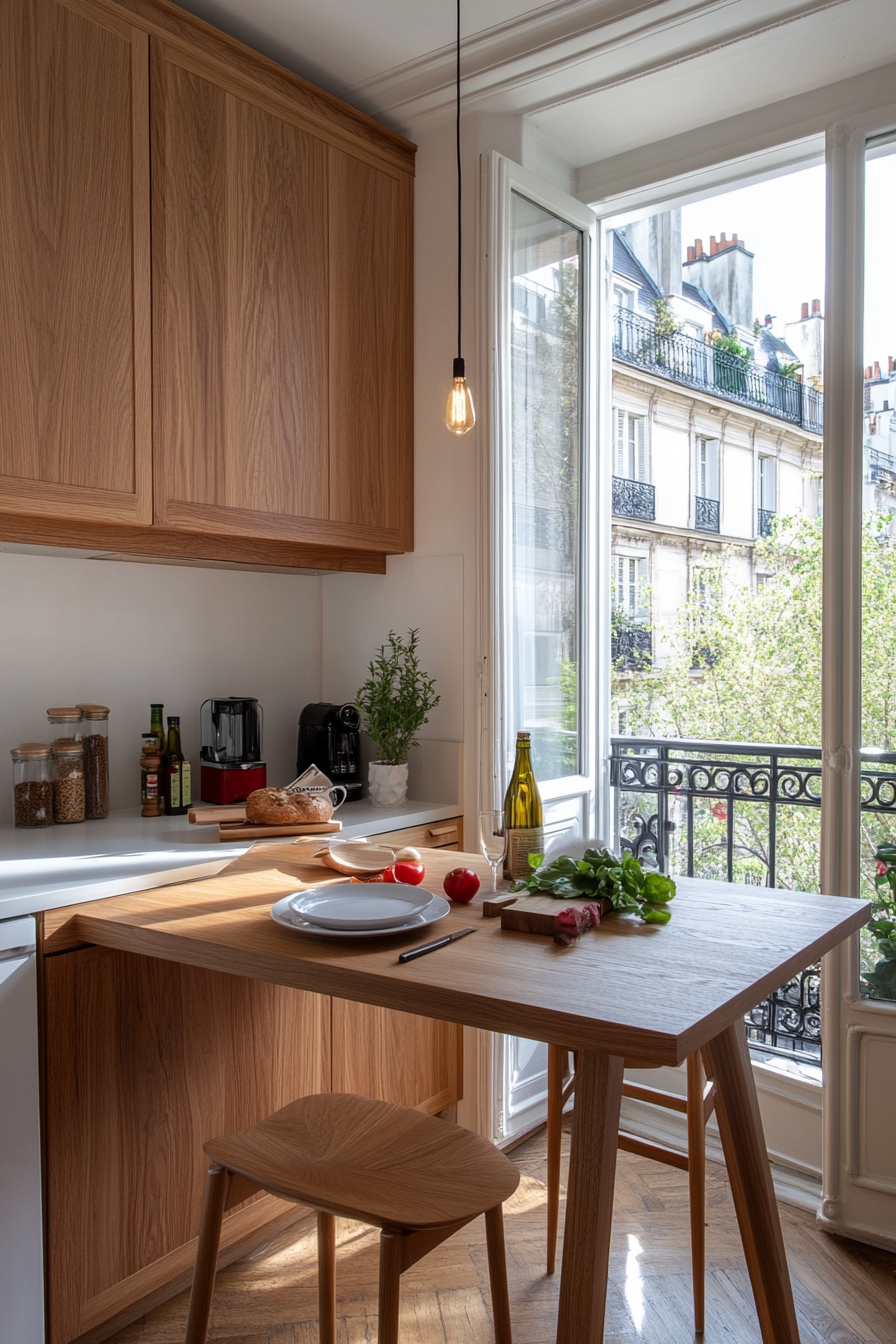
330, 738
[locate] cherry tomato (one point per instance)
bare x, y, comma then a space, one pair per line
461, 885
408, 871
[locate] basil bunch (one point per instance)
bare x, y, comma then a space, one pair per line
600, 876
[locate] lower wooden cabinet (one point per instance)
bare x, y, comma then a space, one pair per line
144, 1060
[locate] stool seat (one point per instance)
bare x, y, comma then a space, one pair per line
376, 1162
418, 1179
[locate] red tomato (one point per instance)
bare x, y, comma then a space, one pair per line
389, 875
461, 885
406, 870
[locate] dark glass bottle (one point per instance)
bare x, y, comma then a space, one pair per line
157, 726
523, 813
176, 772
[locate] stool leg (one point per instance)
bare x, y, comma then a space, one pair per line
390, 1287
556, 1061
497, 1273
216, 1187
697, 1183
326, 1276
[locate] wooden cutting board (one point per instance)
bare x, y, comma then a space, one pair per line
535, 914
254, 830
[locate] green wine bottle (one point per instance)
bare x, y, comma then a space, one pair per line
523, 814
157, 726
176, 772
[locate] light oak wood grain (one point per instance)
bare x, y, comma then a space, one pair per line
143, 1060
394, 1056
448, 834
74, 263
690, 984
187, 546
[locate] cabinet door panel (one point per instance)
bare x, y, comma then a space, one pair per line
240, 295
392, 1056
371, 373
145, 1060
74, 263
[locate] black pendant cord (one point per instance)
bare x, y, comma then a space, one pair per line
459, 225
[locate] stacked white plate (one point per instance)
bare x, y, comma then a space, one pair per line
359, 909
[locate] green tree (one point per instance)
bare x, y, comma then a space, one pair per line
745, 666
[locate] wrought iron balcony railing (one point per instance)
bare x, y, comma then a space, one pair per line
634, 499
706, 514
683, 359
716, 809
631, 648
764, 522
881, 468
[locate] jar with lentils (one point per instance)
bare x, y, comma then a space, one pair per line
68, 780
32, 784
95, 736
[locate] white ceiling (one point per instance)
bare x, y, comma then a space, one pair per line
597, 77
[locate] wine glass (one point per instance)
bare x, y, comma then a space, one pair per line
491, 842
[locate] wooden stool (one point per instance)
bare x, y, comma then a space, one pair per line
698, 1107
418, 1178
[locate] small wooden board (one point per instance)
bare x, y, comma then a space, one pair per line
535, 914
253, 830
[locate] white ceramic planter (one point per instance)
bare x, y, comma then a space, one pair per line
388, 784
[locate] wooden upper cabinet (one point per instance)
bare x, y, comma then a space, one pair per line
282, 310
75, 435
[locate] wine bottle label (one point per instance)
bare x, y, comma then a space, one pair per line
175, 787
520, 844
186, 789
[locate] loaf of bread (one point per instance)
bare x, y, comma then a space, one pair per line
278, 807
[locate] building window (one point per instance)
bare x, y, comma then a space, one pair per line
767, 502
630, 586
631, 446
624, 297
707, 468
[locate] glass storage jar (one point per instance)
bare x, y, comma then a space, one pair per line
68, 780
65, 722
32, 786
95, 736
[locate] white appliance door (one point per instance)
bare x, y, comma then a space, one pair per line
21, 1231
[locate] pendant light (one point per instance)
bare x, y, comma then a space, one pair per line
459, 414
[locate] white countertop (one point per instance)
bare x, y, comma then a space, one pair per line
47, 867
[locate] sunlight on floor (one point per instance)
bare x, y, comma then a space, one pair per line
634, 1290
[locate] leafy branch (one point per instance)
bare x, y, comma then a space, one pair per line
396, 698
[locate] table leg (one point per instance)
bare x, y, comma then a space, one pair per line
740, 1125
589, 1199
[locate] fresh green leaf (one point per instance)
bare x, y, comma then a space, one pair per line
601, 875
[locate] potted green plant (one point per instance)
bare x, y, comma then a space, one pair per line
395, 701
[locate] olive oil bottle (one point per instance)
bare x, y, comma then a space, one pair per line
176, 772
523, 813
157, 726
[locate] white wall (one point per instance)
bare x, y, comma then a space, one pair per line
123, 635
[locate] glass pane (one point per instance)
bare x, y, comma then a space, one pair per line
546, 437
879, 578
716, 661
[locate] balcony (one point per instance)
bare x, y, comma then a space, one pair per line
634, 499
693, 363
764, 522
631, 648
881, 468
706, 514
719, 810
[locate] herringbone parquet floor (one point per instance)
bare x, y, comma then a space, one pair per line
845, 1293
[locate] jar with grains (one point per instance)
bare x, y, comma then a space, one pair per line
95, 736
68, 780
65, 722
32, 785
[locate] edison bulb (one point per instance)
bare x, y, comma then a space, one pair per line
460, 417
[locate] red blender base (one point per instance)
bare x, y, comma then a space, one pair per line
217, 785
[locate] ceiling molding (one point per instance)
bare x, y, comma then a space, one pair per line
571, 49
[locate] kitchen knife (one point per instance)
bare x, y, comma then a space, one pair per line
431, 947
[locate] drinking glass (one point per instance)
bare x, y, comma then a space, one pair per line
491, 842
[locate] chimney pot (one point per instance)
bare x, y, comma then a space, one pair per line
713, 247
890, 365
876, 369
698, 247
804, 312
734, 240
768, 319
690, 254
867, 373
816, 306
